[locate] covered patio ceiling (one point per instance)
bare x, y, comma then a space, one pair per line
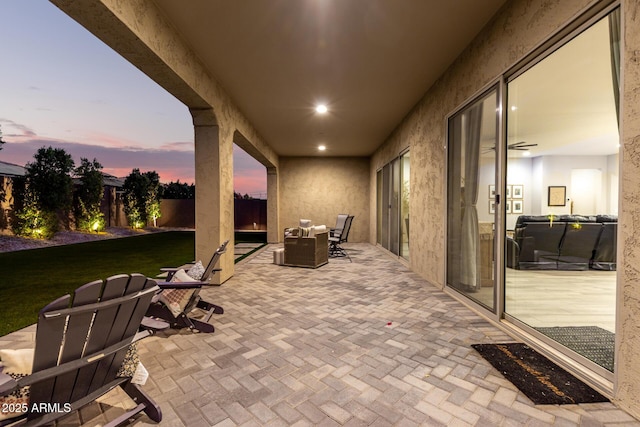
369, 61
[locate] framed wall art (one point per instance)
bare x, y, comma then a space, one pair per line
557, 195
517, 191
516, 206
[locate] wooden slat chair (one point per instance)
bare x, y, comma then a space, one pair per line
80, 346
159, 309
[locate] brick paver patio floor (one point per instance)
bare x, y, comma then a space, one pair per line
361, 343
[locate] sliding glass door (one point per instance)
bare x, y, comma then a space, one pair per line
471, 200
562, 177
393, 206
546, 184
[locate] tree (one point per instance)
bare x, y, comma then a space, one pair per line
43, 193
152, 202
2, 192
50, 178
88, 196
27, 217
178, 190
141, 197
240, 196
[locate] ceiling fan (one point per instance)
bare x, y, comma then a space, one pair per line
519, 146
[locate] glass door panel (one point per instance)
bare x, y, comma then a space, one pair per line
386, 205
561, 207
379, 207
405, 165
471, 209
394, 208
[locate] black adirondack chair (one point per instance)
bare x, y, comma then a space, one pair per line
80, 346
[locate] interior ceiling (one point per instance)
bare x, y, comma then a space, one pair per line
563, 105
370, 61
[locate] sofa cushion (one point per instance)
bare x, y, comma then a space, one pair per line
317, 229
607, 218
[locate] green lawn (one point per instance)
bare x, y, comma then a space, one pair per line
33, 278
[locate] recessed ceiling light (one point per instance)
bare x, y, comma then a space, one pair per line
321, 109
321, 147
526, 153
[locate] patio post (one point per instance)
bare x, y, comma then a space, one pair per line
273, 224
214, 207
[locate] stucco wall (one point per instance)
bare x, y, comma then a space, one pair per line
320, 188
516, 30
628, 299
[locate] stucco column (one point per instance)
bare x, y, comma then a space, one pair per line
273, 224
214, 222
627, 392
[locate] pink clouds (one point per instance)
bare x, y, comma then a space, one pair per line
15, 130
173, 161
170, 164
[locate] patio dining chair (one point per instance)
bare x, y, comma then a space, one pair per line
80, 347
338, 237
340, 223
180, 295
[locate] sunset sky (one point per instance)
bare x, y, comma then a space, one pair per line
60, 86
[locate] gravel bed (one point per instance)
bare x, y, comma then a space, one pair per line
9, 243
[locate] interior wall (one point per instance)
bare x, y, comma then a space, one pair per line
320, 188
537, 174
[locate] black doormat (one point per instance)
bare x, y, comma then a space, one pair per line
544, 382
592, 342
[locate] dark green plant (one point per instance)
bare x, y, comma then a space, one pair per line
2, 192
141, 197
28, 219
49, 177
44, 192
178, 190
88, 196
152, 203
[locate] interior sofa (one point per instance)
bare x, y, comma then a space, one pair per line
569, 242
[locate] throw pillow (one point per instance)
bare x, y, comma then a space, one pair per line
196, 271
132, 367
305, 223
318, 229
304, 231
177, 299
